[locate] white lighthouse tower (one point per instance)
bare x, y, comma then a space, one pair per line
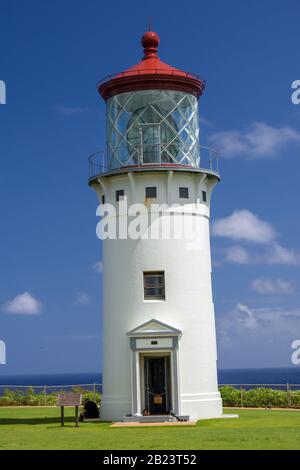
159, 342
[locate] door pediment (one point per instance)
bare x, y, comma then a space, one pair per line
154, 328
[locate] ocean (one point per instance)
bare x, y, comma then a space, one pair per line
283, 375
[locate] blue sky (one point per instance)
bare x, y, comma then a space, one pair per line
52, 55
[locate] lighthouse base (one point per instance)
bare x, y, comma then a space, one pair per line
113, 409
202, 406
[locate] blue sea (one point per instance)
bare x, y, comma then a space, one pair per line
286, 375
282, 375
52, 379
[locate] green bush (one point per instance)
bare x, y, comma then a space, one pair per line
255, 397
295, 398
231, 396
31, 398
259, 397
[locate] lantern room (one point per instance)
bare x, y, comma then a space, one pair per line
152, 113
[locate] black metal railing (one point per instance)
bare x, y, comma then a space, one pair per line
200, 157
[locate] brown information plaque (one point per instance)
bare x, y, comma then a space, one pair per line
69, 399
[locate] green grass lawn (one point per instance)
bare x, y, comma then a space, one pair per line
39, 428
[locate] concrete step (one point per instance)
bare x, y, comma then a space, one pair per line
153, 419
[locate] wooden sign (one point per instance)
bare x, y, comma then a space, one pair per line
69, 399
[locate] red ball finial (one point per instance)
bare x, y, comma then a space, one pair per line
150, 42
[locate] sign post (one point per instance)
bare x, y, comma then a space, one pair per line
69, 399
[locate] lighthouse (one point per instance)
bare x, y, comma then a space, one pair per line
159, 338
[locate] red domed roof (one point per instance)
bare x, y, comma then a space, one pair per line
151, 74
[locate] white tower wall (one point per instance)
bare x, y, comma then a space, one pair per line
188, 305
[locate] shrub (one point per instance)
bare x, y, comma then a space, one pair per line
255, 397
295, 398
231, 396
259, 397
31, 398
265, 397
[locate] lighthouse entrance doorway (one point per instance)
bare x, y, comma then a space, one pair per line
154, 368
157, 377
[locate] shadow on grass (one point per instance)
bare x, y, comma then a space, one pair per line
55, 420
33, 421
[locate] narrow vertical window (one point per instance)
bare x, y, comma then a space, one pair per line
154, 285
103, 199
204, 196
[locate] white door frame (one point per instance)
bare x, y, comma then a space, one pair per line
137, 374
157, 338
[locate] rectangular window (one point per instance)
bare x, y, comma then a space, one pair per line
204, 196
103, 199
151, 192
184, 193
154, 285
120, 194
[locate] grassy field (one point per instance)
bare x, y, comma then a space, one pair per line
39, 428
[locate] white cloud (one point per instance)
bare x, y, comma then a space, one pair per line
257, 325
69, 110
266, 317
278, 254
82, 299
98, 266
244, 225
259, 140
245, 316
273, 287
23, 304
205, 122
247, 227
274, 254
237, 254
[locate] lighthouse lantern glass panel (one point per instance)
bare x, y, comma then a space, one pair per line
152, 126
